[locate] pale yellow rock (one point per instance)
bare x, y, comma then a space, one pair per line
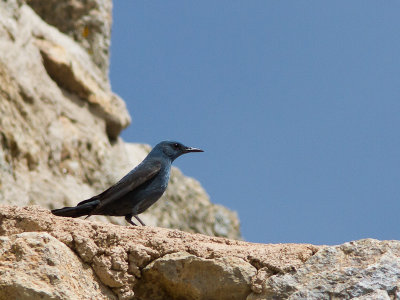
185, 276
35, 265
76, 77
148, 263
60, 121
133, 261
361, 269
375, 295
87, 22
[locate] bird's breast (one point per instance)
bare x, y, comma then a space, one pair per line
165, 178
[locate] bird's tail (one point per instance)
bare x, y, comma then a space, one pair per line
77, 211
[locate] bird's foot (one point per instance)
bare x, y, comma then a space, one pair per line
140, 221
128, 218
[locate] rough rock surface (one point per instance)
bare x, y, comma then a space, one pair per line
87, 22
141, 262
35, 265
364, 269
60, 121
52, 257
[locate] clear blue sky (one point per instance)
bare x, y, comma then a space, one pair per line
296, 103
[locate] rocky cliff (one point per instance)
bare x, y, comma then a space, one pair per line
48, 257
59, 143
60, 121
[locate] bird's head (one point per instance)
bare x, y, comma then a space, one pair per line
174, 149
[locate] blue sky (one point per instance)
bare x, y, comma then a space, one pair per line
296, 103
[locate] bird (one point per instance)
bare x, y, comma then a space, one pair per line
137, 190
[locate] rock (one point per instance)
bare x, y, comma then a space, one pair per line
60, 121
156, 263
145, 263
365, 269
185, 276
375, 295
87, 22
35, 265
59, 144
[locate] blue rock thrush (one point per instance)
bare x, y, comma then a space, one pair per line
137, 190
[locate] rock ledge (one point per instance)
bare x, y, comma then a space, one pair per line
48, 257
123, 262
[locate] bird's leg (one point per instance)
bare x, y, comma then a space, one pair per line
128, 218
140, 221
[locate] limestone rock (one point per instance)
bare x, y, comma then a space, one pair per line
146, 263
35, 265
365, 269
185, 276
375, 295
132, 261
87, 22
60, 121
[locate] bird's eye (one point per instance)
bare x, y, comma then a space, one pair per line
176, 145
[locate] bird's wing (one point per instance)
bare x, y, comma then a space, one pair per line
142, 173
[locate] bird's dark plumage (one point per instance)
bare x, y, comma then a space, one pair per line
137, 190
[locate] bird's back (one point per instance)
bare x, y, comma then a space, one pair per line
137, 200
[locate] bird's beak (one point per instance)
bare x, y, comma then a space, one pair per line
191, 149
